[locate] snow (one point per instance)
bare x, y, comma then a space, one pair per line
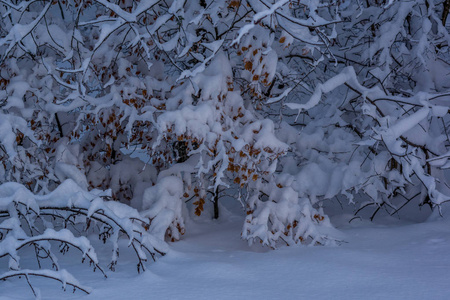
257, 18
280, 97
389, 259
116, 9
347, 75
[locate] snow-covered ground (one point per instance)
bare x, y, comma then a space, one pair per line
387, 259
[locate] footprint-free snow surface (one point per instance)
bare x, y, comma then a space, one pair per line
376, 261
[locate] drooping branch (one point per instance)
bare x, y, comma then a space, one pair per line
62, 276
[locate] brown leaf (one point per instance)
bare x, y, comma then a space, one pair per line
248, 65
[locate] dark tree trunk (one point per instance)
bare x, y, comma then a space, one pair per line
445, 12
216, 203
58, 123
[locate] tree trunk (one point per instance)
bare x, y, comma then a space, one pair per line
58, 123
216, 203
445, 12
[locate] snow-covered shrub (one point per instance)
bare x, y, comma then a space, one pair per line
163, 204
285, 217
64, 217
377, 129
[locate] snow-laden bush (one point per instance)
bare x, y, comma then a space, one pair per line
286, 217
61, 220
162, 204
390, 160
